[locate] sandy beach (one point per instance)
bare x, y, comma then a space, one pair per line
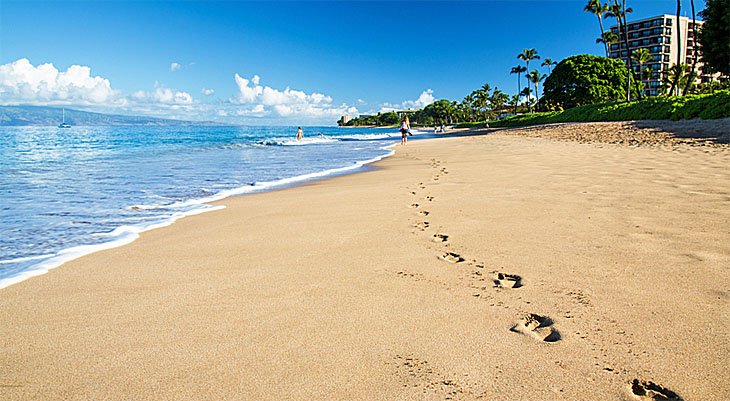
506, 265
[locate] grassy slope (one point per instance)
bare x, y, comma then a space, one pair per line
707, 107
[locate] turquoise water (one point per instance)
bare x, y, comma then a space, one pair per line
68, 192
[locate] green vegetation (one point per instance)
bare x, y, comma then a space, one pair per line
584, 79
715, 36
706, 107
380, 119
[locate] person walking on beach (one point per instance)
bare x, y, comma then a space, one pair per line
405, 128
300, 134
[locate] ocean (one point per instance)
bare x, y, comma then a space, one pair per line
65, 193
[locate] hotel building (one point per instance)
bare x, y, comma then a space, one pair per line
658, 35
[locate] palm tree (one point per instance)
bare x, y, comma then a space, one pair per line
535, 77
598, 8
518, 70
515, 101
677, 77
527, 55
469, 106
483, 98
675, 81
608, 38
691, 78
549, 63
618, 10
498, 99
641, 56
527, 94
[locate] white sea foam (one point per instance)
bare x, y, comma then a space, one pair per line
126, 234
317, 140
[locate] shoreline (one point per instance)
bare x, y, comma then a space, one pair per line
124, 235
386, 284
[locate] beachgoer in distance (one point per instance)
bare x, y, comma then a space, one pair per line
405, 126
300, 134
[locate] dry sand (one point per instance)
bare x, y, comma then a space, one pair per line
339, 289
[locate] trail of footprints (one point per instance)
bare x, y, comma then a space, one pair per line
540, 328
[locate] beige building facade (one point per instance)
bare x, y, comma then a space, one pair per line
658, 35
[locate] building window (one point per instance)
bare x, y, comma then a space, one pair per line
668, 21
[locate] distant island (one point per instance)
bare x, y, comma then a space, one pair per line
51, 116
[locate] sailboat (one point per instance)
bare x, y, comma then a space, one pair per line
63, 121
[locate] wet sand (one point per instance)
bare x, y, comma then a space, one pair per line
493, 267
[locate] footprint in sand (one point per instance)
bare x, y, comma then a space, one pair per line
440, 238
451, 257
424, 213
647, 390
414, 205
421, 225
538, 327
429, 198
504, 280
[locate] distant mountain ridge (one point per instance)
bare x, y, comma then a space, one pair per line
51, 116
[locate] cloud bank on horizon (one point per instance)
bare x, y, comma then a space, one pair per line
23, 83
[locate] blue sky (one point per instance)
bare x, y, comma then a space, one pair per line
334, 57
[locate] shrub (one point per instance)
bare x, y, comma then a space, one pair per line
586, 79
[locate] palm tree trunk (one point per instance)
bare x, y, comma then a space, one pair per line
527, 70
600, 24
519, 89
675, 81
691, 78
628, 54
620, 31
537, 97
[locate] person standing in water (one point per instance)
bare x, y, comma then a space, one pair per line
405, 128
300, 134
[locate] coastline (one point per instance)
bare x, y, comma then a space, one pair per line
335, 289
124, 235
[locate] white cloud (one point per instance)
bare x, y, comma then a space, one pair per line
175, 67
287, 102
424, 99
163, 95
21, 82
